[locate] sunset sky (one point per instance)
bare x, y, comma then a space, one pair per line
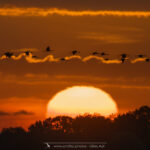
111, 26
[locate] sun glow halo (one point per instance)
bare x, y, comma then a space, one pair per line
79, 100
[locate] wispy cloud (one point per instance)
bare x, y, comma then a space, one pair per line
2, 113
107, 38
138, 87
21, 112
88, 58
100, 81
65, 12
51, 58
138, 60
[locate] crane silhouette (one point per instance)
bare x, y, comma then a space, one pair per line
48, 49
62, 59
103, 54
147, 60
124, 56
123, 60
34, 56
27, 53
95, 53
74, 52
8, 54
106, 59
140, 56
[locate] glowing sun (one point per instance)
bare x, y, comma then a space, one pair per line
79, 100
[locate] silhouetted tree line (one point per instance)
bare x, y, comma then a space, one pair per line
130, 131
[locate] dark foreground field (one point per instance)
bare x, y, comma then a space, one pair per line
130, 131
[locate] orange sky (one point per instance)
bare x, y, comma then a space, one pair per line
113, 27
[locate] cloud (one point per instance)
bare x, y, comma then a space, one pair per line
40, 76
43, 12
141, 83
121, 83
137, 87
51, 58
107, 38
2, 113
88, 58
30, 58
24, 50
23, 112
81, 4
138, 60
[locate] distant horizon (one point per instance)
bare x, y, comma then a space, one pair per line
111, 117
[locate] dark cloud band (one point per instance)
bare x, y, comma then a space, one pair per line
81, 4
21, 112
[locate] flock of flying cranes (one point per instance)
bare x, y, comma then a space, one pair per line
123, 57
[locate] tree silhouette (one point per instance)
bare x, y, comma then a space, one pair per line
127, 131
